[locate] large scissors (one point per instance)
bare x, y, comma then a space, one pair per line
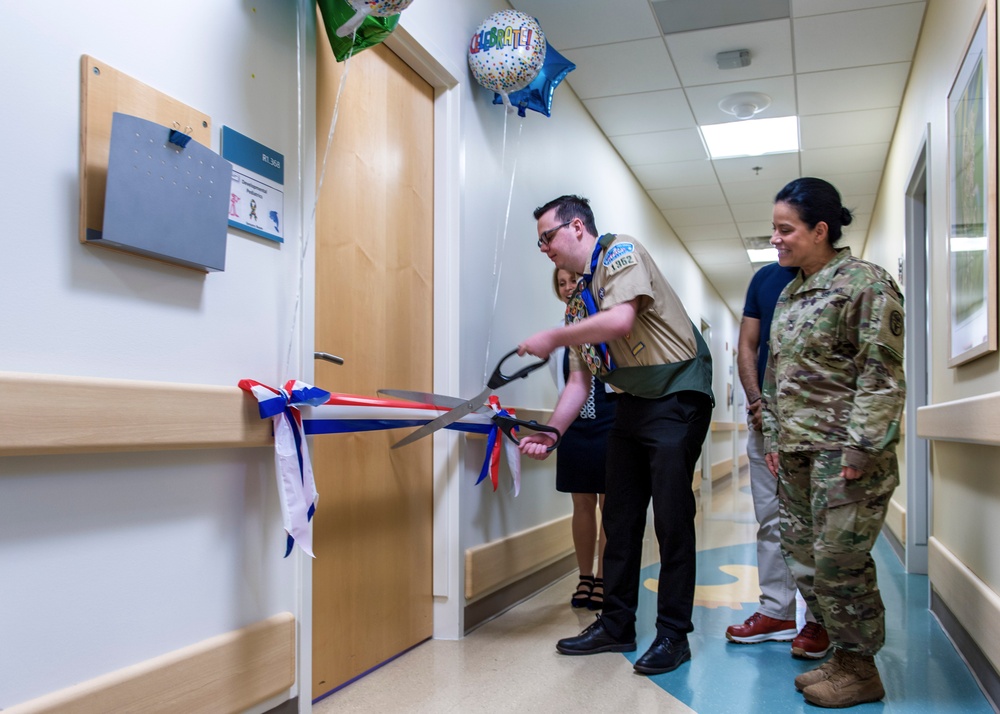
458, 408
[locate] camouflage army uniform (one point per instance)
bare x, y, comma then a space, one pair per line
833, 396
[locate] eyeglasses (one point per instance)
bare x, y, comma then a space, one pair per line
548, 235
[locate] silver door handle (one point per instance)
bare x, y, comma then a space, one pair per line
326, 356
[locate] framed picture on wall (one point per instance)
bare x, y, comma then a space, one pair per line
972, 192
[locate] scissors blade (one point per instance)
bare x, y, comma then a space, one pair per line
467, 407
438, 400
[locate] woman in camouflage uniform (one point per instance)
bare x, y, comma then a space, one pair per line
833, 397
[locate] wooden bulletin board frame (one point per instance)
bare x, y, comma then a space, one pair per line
103, 91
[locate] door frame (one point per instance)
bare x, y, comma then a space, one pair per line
917, 353
419, 52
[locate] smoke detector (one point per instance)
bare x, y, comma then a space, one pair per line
744, 105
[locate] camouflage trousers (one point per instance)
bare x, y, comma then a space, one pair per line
828, 528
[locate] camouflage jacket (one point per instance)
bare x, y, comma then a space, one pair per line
835, 375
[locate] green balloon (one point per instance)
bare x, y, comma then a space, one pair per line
372, 30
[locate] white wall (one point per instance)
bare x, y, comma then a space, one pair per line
966, 490
547, 156
108, 560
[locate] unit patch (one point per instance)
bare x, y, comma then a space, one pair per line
619, 256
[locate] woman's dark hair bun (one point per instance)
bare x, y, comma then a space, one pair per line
845, 216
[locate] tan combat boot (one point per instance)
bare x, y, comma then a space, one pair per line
852, 679
817, 674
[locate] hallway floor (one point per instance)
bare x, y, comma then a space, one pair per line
510, 664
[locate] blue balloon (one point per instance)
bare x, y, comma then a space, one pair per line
538, 95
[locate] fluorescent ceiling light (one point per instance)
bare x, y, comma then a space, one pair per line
763, 255
752, 138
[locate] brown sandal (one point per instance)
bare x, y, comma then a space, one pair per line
581, 598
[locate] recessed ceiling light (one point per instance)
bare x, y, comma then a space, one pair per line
752, 138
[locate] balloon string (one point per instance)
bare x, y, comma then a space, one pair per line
501, 241
311, 226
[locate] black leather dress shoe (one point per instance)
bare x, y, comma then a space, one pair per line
593, 640
665, 655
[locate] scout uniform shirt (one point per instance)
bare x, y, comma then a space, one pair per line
835, 376
663, 353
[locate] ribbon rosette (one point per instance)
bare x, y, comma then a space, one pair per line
296, 486
491, 465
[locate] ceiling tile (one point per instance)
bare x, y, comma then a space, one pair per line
756, 229
821, 162
856, 183
752, 212
687, 15
803, 8
705, 99
700, 216
660, 147
715, 231
674, 174
702, 247
778, 169
760, 191
729, 256
872, 126
641, 113
687, 196
770, 45
847, 90
582, 23
852, 39
621, 68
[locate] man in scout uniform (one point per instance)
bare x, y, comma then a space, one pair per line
629, 328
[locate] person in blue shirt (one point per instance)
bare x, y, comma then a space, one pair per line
774, 619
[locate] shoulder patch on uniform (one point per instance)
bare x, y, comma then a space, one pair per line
620, 256
890, 322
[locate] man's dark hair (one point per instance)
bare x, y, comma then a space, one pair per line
568, 208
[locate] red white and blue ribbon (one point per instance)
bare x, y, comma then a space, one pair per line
491, 465
301, 410
296, 486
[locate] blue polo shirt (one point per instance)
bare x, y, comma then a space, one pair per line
762, 295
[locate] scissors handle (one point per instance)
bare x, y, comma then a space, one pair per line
507, 425
499, 378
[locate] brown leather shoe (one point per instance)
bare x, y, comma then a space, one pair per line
812, 642
761, 628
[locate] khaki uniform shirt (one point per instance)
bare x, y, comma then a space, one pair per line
663, 353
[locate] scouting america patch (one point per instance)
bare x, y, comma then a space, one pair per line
619, 256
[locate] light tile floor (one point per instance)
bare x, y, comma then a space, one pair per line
510, 664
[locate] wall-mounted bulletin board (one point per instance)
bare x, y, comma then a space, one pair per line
104, 91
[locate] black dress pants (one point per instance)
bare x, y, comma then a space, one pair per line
652, 451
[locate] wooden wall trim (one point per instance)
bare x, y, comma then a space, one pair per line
53, 414
491, 566
975, 420
227, 673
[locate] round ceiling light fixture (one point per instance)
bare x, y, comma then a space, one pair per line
745, 105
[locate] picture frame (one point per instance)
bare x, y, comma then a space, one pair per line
972, 186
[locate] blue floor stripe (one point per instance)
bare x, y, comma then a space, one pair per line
920, 668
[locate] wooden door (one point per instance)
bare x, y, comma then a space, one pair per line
372, 579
